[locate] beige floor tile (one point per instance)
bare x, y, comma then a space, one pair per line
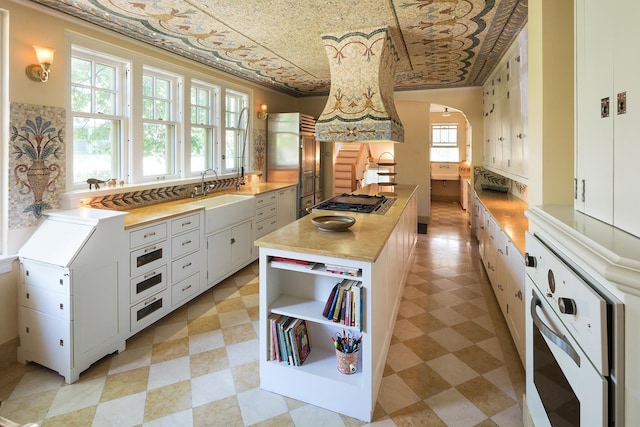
124, 384
79, 418
203, 324
221, 413
423, 380
485, 396
170, 349
167, 400
208, 361
28, 409
239, 333
417, 415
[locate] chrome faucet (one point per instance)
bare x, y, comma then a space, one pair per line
205, 189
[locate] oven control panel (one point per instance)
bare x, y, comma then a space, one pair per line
572, 298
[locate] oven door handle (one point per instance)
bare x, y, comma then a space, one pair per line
559, 341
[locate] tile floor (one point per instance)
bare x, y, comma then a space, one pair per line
451, 361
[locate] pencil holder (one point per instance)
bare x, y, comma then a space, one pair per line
347, 362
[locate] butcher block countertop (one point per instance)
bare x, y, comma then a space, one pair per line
508, 211
364, 241
162, 211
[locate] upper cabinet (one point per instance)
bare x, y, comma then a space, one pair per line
505, 114
606, 146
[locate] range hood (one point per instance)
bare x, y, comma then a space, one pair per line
360, 107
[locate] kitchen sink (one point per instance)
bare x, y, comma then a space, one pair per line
225, 210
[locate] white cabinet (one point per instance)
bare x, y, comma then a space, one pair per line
228, 250
286, 206
505, 113
186, 258
505, 269
606, 130
595, 109
149, 258
73, 281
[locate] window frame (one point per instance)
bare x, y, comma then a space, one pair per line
235, 116
121, 116
212, 128
173, 123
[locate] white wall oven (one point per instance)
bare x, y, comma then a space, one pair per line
574, 342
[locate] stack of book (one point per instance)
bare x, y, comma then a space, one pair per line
289, 339
277, 261
346, 303
340, 269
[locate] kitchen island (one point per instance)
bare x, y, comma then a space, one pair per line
377, 250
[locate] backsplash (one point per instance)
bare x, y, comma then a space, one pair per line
486, 177
36, 162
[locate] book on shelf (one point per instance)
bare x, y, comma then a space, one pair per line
277, 261
340, 269
299, 340
345, 302
289, 339
329, 302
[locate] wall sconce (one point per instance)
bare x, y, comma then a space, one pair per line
40, 73
262, 114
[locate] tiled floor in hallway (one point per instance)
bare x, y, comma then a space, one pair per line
451, 361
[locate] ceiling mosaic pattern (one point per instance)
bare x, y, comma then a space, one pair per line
277, 43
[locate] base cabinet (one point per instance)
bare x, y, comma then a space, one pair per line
228, 250
301, 292
504, 266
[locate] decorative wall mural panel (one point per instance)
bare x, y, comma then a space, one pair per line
277, 43
36, 162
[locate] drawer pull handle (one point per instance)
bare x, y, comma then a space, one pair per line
146, 276
61, 306
233, 240
28, 296
153, 233
26, 273
26, 329
61, 343
188, 242
186, 265
184, 224
61, 282
150, 300
184, 289
152, 248
260, 228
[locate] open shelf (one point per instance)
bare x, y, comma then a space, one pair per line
306, 309
388, 163
314, 268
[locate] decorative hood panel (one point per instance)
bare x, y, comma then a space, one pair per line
360, 106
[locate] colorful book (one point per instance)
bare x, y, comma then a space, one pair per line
274, 348
336, 312
334, 302
302, 341
332, 295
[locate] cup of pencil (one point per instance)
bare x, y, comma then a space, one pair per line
347, 352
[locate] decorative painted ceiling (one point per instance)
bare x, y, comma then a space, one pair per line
277, 43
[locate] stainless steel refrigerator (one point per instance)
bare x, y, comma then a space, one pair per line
293, 155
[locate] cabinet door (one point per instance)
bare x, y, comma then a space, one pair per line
515, 297
501, 282
241, 245
218, 255
286, 206
627, 146
594, 119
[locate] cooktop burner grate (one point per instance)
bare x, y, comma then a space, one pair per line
358, 203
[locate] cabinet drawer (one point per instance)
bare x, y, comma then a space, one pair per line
185, 266
185, 289
53, 303
45, 340
265, 212
185, 243
46, 276
185, 223
148, 284
148, 235
148, 258
266, 199
148, 311
266, 226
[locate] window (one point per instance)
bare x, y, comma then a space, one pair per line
99, 115
160, 124
235, 132
203, 126
444, 143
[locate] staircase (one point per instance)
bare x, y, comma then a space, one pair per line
352, 162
